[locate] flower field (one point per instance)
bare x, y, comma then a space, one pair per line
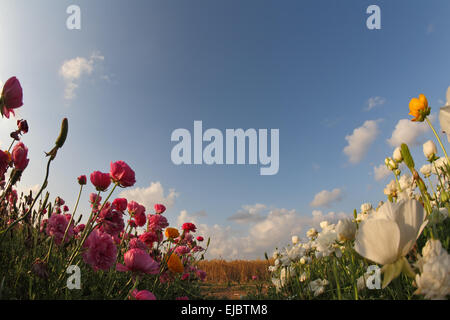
395, 250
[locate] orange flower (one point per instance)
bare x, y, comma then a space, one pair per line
174, 264
172, 233
418, 108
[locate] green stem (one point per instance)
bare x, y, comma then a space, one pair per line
73, 214
439, 139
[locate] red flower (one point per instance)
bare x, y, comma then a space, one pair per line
189, 227
122, 173
19, 156
200, 238
11, 97
120, 204
82, 180
143, 295
159, 208
100, 180
22, 126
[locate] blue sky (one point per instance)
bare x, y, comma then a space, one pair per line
307, 68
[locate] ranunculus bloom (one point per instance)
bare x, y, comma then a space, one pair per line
100, 180
157, 222
19, 156
389, 234
136, 243
138, 260
188, 227
346, 229
56, 227
159, 208
200, 238
137, 211
120, 204
122, 173
171, 233
418, 108
174, 264
429, 149
22, 126
143, 295
180, 250
149, 238
101, 251
111, 221
82, 180
95, 199
79, 228
11, 97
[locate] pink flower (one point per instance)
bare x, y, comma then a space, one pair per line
11, 97
120, 204
79, 228
82, 180
159, 208
189, 227
157, 222
101, 251
122, 173
100, 180
137, 211
95, 199
59, 201
19, 156
56, 227
138, 260
143, 295
182, 250
12, 197
65, 208
200, 238
185, 276
201, 274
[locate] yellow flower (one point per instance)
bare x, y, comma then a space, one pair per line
172, 233
418, 108
174, 264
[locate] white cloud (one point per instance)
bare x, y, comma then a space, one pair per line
409, 132
324, 198
375, 101
360, 140
275, 230
249, 213
73, 70
381, 172
151, 195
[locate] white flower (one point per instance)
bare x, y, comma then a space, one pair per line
365, 207
429, 149
325, 241
391, 188
390, 233
276, 254
434, 279
303, 277
390, 163
311, 233
397, 155
318, 286
294, 239
426, 170
440, 165
346, 229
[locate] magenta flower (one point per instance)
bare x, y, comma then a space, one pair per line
137, 211
157, 222
111, 221
136, 243
100, 180
11, 97
180, 250
101, 251
19, 156
160, 208
138, 260
149, 238
56, 227
143, 295
122, 174
200, 238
